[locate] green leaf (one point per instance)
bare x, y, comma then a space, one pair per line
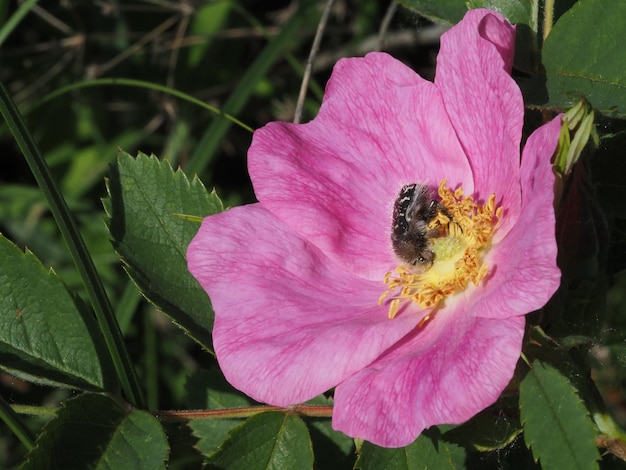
266, 441
584, 55
146, 201
46, 336
209, 390
211, 433
557, 427
428, 451
452, 11
96, 431
442, 11
516, 11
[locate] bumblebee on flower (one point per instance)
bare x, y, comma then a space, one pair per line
401, 196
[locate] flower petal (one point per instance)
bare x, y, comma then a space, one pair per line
453, 368
485, 104
289, 324
334, 180
526, 274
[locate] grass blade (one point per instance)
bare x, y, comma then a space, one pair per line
15, 19
15, 424
78, 250
210, 141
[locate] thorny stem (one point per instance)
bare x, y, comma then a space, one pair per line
245, 412
312, 411
548, 17
309, 63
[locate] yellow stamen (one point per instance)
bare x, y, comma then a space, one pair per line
459, 252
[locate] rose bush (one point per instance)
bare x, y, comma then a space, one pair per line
296, 279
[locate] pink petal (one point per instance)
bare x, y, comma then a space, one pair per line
484, 103
444, 374
335, 179
289, 323
526, 273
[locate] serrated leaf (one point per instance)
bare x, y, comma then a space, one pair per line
209, 390
266, 441
47, 336
211, 433
428, 451
96, 431
146, 198
584, 55
557, 427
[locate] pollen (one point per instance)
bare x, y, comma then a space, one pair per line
464, 238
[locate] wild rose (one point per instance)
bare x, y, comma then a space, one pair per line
309, 290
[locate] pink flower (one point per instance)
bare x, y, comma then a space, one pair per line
303, 283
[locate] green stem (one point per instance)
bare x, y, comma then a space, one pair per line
548, 17
142, 84
78, 250
15, 424
33, 410
151, 353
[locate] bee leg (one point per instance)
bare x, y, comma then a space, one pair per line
441, 208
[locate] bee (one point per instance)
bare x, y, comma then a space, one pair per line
411, 235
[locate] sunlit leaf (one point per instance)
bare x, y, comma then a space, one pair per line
557, 427
266, 441
584, 56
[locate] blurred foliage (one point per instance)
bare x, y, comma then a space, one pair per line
246, 58
201, 48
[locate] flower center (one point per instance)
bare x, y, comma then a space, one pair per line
462, 236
